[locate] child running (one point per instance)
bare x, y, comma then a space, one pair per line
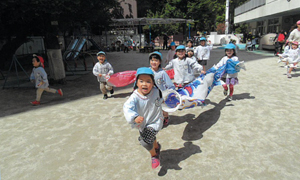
143, 110
39, 75
183, 68
203, 52
171, 53
231, 79
162, 80
292, 58
101, 70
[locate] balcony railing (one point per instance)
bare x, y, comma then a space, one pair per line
252, 4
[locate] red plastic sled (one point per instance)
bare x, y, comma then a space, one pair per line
121, 79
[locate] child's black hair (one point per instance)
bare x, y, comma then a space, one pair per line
157, 57
152, 77
234, 54
38, 60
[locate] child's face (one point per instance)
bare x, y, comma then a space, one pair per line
294, 46
154, 63
101, 58
190, 53
35, 63
144, 84
229, 52
180, 53
173, 48
202, 43
189, 44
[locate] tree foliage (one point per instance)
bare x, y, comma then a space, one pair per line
23, 18
207, 14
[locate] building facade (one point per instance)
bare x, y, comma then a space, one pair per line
268, 16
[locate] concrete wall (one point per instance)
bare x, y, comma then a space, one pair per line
271, 8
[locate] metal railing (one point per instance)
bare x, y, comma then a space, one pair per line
252, 4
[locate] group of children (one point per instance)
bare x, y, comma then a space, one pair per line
143, 109
290, 56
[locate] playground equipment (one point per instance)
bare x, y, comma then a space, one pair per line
74, 50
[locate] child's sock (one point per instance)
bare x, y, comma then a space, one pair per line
231, 89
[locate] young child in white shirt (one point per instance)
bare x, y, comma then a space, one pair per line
101, 70
143, 111
203, 52
184, 67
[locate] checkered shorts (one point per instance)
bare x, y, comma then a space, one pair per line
148, 135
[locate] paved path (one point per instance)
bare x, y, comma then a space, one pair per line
82, 136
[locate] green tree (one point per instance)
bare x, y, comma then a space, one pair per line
23, 18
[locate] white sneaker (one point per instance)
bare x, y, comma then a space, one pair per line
229, 98
289, 75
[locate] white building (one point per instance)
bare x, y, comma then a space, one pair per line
268, 16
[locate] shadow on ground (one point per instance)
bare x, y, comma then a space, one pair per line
170, 158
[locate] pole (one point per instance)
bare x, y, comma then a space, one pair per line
189, 31
149, 34
226, 17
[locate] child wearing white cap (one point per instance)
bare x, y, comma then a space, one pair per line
101, 70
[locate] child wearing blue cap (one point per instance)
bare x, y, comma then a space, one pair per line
203, 52
183, 67
143, 111
102, 70
229, 79
171, 53
161, 78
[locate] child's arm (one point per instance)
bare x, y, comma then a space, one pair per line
96, 70
168, 81
169, 66
110, 70
195, 65
130, 111
32, 76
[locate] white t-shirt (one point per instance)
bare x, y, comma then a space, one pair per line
183, 69
148, 106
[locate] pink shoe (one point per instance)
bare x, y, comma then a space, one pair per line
35, 103
60, 92
155, 162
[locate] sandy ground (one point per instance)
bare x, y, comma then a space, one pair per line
82, 136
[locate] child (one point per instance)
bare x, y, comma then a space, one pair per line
236, 46
143, 110
203, 52
39, 75
292, 58
171, 53
189, 45
285, 52
162, 80
231, 79
102, 69
183, 67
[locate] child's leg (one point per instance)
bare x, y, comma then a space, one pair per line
153, 150
103, 88
39, 93
225, 92
166, 118
231, 89
51, 90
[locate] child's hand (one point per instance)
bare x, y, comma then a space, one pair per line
41, 83
203, 72
139, 119
100, 75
